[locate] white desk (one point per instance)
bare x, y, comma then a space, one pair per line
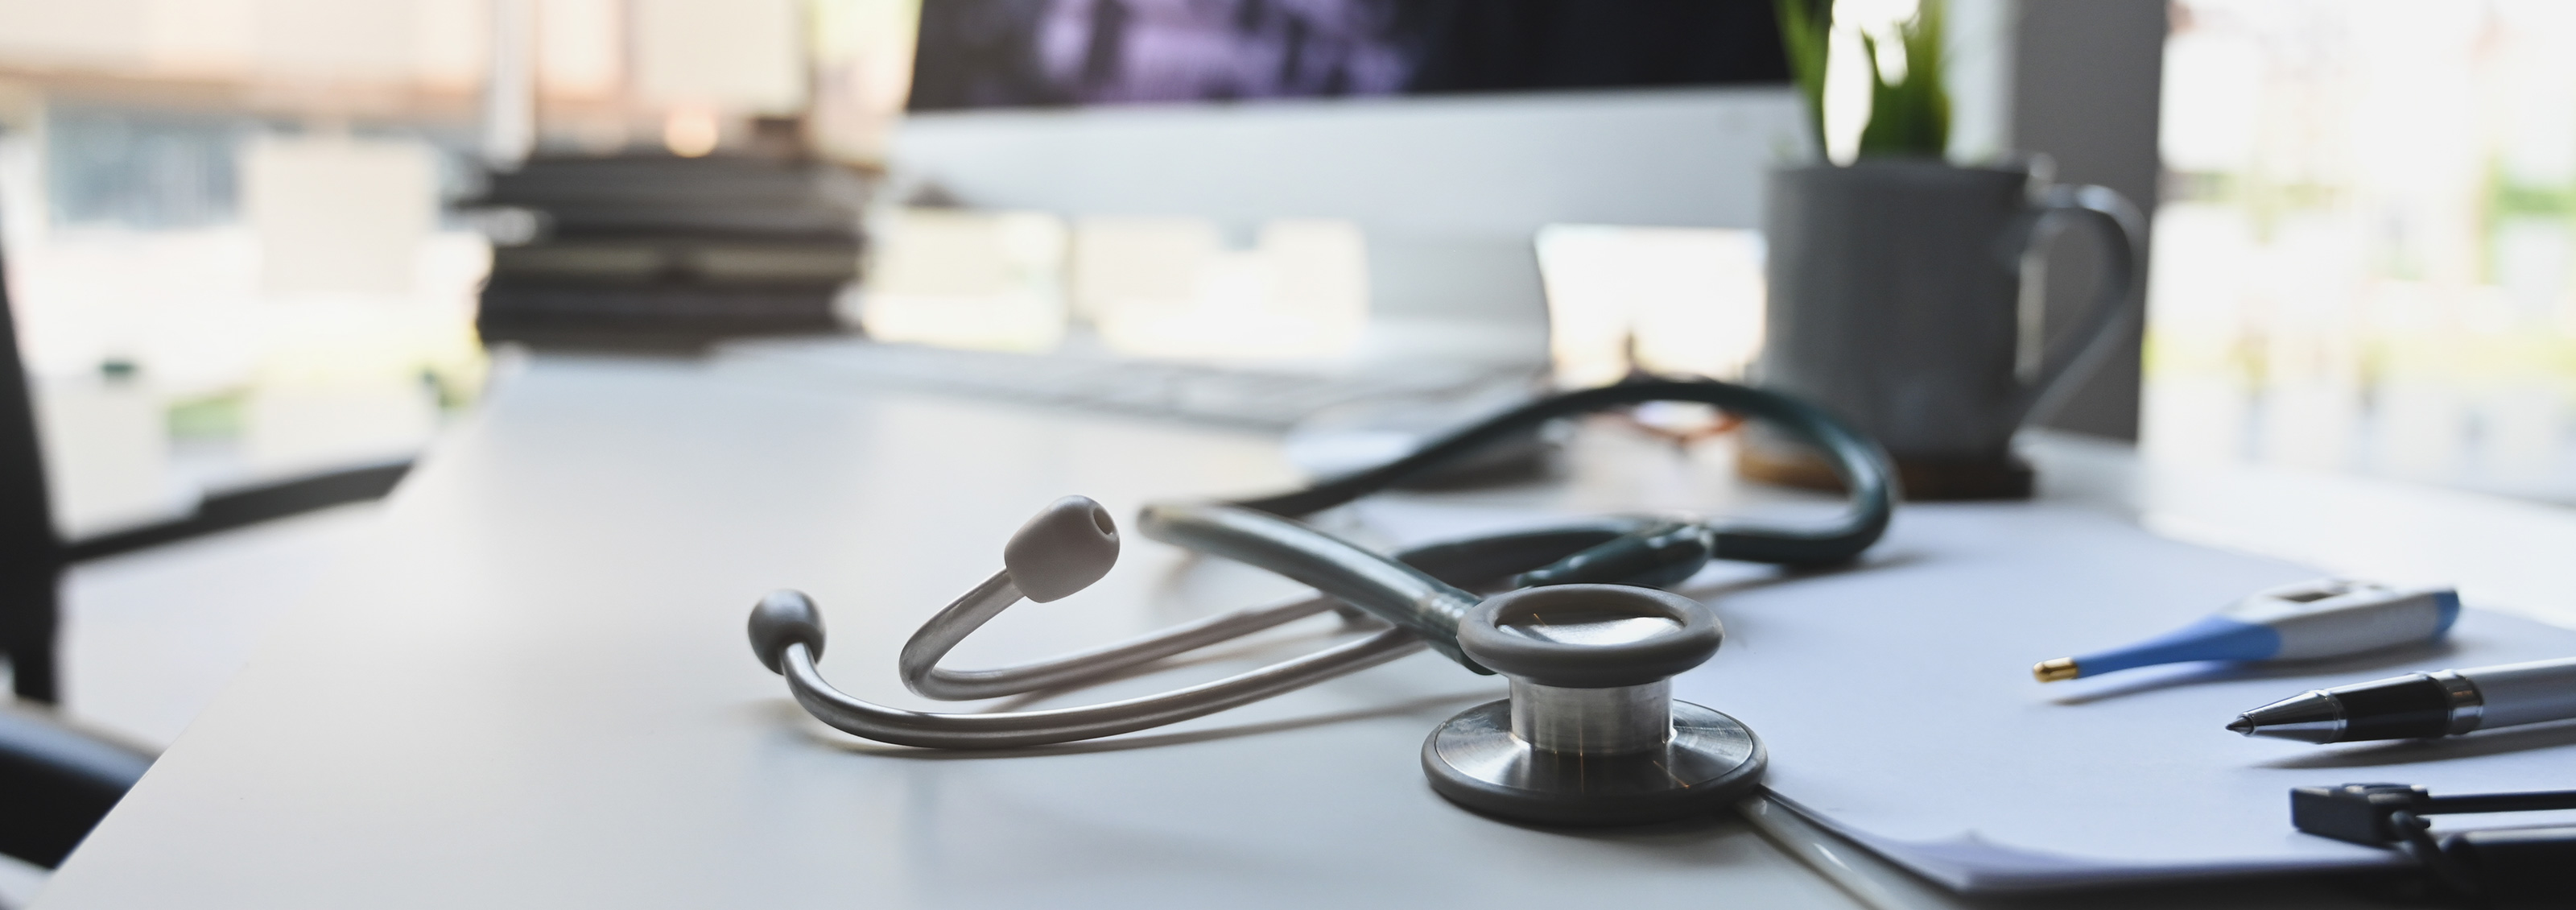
533, 689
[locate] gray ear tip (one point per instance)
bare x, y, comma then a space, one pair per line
1086, 507
1070, 544
784, 618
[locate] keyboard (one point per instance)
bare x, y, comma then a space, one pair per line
1259, 398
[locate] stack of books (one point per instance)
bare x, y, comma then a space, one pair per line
657, 247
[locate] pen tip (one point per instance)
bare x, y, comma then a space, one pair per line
2056, 669
2242, 724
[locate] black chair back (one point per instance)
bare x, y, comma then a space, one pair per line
31, 554
56, 782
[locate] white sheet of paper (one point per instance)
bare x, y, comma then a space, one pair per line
1897, 701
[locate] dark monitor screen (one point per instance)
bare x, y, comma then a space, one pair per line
1043, 53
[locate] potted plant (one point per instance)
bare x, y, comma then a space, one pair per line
1895, 294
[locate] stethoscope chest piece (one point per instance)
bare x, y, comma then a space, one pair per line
1591, 734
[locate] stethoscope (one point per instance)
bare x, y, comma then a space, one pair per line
1591, 733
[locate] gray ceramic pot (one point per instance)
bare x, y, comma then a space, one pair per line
1896, 301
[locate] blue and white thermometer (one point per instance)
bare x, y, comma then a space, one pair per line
2328, 617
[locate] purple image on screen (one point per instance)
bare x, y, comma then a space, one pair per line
1109, 51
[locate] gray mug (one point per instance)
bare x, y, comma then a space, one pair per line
1897, 302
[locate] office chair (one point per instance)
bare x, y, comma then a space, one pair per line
57, 781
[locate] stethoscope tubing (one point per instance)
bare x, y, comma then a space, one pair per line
1862, 465
1633, 551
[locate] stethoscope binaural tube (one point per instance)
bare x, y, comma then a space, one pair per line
787, 635
1384, 587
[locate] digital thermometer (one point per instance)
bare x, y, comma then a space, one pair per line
2328, 617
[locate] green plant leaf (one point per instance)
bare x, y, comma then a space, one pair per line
1911, 116
1805, 26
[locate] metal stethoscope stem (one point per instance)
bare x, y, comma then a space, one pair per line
1009, 729
787, 625
918, 664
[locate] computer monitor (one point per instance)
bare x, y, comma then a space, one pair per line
1449, 131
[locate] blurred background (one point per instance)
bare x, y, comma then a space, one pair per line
253, 242
234, 239
2363, 251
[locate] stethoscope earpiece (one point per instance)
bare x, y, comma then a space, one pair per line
1065, 548
785, 618
1591, 734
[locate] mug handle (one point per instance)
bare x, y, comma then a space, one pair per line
2119, 296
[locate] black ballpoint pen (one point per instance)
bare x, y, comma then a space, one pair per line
2417, 705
